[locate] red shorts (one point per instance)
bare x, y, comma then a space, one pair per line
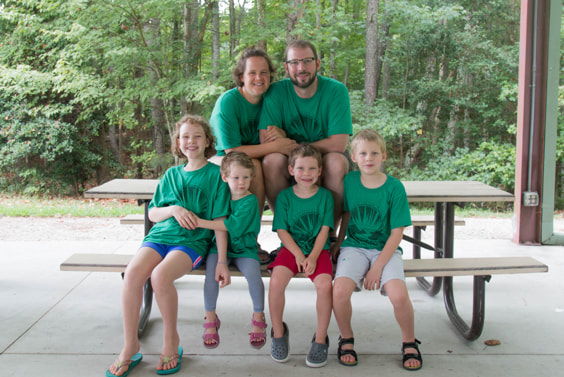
286, 258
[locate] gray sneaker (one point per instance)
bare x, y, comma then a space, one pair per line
317, 356
280, 347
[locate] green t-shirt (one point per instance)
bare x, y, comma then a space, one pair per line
243, 225
234, 121
202, 192
303, 218
374, 212
308, 120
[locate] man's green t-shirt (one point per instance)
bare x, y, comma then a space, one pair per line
308, 120
303, 218
243, 225
202, 192
373, 212
234, 121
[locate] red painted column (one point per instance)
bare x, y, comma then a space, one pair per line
531, 118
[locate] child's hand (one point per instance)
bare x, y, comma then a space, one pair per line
335, 250
309, 265
372, 278
299, 262
194, 219
184, 217
222, 275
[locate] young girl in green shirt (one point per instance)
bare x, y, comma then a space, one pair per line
173, 246
243, 226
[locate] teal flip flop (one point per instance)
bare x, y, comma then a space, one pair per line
166, 359
136, 359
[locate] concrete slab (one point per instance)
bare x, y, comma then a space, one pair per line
55, 323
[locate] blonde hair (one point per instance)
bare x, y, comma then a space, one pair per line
194, 120
239, 158
368, 135
304, 150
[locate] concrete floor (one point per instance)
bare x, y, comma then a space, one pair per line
55, 323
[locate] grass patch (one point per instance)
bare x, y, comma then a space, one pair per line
31, 206
467, 211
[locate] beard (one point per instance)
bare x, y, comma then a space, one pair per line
304, 84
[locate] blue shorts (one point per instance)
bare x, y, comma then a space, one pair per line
163, 250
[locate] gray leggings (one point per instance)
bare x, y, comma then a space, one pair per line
249, 267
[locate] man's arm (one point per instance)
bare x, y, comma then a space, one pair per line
280, 145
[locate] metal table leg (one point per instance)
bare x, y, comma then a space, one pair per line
145, 308
473, 331
145, 312
433, 288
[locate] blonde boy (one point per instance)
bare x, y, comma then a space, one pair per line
376, 211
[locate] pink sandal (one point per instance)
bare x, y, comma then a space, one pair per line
258, 339
214, 337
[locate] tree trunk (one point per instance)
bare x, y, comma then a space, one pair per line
152, 30
194, 30
293, 18
382, 46
371, 51
386, 74
261, 43
215, 42
232, 17
239, 23
332, 54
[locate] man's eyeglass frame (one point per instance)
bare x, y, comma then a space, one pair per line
295, 62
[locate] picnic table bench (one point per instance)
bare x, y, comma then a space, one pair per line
480, 268
418, 223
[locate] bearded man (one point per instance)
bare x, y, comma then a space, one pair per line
308, 108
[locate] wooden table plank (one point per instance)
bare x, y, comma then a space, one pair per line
124, 189
412, 267
454, 191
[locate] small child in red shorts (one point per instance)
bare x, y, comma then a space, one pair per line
303, 220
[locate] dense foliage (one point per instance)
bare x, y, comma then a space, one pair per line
90, 90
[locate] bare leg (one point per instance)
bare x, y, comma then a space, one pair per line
276, 298
276, 176
136, 274
176, 264
343, 289
257, 185
324, 306
403, 311
335, 167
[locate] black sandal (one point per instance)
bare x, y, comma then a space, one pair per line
409, 356
342, 352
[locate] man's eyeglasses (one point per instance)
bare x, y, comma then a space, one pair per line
295, 62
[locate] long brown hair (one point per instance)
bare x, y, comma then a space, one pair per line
195, 120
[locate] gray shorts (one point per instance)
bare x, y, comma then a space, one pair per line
355, 262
